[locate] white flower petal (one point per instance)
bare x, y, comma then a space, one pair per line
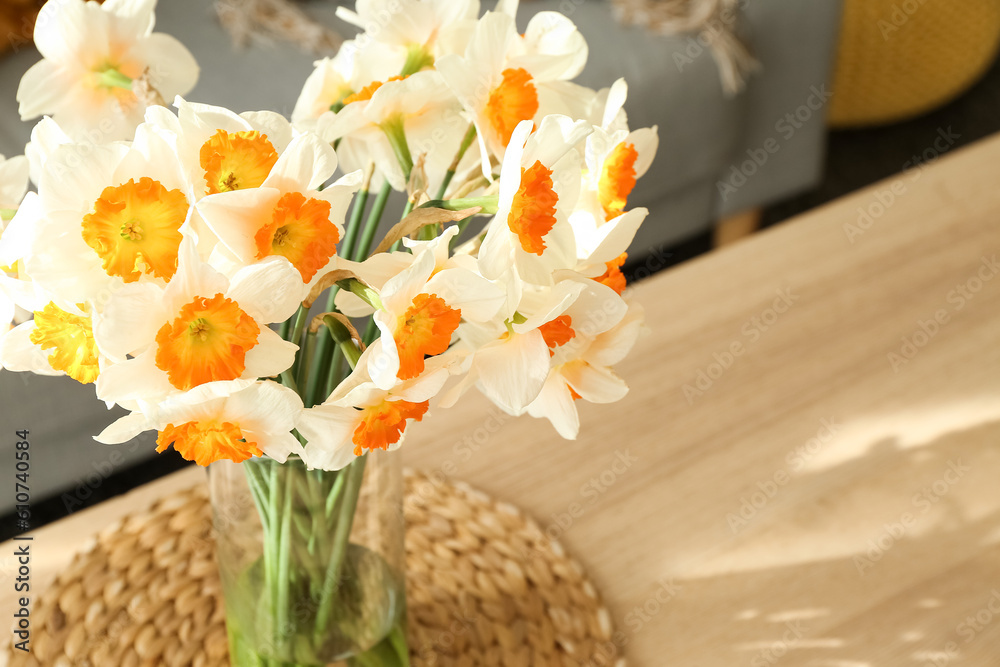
269, 291
125, 429
65, 29
273, 125
278, 446
512, 372
236, 217
382, 358
265, 407
478, 298
270, 356
555, 403
172, 69
13, 181
593, 383
18, 353
15, 242
328, 430
306, 164
132, 380
129, 322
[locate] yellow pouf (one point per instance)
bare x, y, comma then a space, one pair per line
901, 58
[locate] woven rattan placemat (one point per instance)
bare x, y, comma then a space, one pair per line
485, 586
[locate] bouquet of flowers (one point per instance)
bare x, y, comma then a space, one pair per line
209, 272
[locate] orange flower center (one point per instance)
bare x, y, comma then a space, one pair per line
300, 230
135, 229
424, 329
613, 277
71, 339
383, 424
236, 160
208, 442
369, 90
533, 211
514, 100
558, 332
617, 179
208, 341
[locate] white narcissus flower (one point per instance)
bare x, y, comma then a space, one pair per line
332, 80
109, 215
201, 328
55, 342
504, 78
508, 360
423, 29
539, 187
416, 114
615, 159
220, 150
359, 416
218, 421
90, 52
286, 215
421, 310
592, 335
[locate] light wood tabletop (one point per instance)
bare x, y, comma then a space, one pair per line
806, 471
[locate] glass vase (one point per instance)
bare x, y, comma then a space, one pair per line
311, 562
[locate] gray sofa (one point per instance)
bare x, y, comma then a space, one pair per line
707, 141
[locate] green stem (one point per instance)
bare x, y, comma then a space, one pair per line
300, 325
334, 495
284, 559
371, 225
342, 337
354, 225
7, 214
490, 205
258, 489
362, 291
272, 545
317, 377
355, 473
396, 134
417, 58
470, 136
288, 379
306, 355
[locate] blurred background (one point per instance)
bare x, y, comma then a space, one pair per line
765, 109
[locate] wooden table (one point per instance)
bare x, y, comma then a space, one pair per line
807, 469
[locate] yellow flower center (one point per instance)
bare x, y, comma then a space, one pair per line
207, 442
533, 211
424, 329
514, 100
558, 332
135, 229
207, 342
383, 424
369, 90
71, 339
236, 160
300, 230
617, 179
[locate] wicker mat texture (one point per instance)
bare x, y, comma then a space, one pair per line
485, 586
